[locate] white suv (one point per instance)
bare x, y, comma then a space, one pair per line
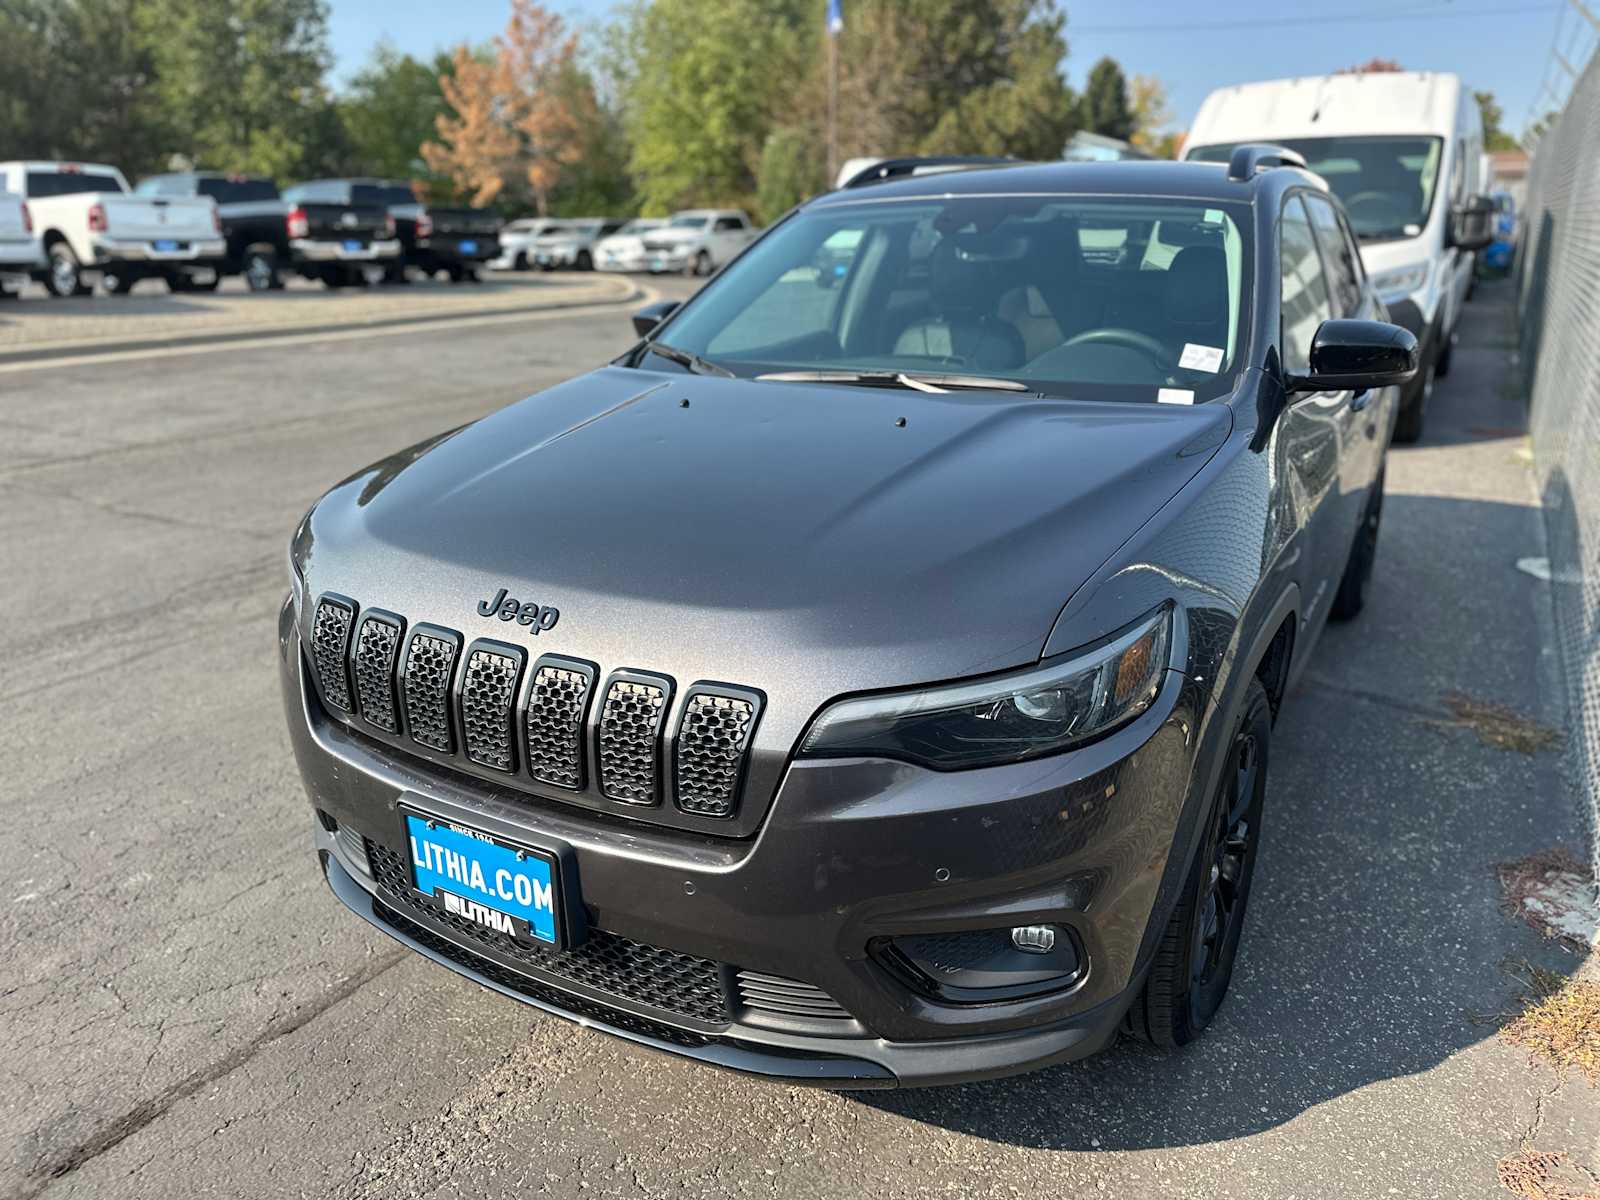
698, 241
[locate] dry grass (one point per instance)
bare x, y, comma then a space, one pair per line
1560, 1022
1541, 888
1544, 1175
1498, 726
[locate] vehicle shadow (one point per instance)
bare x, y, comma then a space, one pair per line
1377, 945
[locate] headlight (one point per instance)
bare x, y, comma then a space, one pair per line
1400, 282
1042, 710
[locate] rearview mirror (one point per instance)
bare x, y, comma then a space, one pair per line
1357, 355
1472, 223
651, 315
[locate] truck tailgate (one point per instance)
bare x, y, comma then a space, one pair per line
337, 221
11, 226
151, 218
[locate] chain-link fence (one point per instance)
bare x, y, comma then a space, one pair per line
1558, 282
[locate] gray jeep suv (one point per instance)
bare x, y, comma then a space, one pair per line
868, 677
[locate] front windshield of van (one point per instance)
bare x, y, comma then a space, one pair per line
1385, 183
1120, 297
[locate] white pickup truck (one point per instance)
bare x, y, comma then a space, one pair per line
20, 256
698, 241
89, 223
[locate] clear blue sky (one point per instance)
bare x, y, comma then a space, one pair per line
1192, 48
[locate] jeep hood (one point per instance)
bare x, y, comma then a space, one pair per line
790, 537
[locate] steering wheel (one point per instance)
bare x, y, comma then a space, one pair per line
1131, 339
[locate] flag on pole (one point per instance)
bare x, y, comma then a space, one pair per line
835, 18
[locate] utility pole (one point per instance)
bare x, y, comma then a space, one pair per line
834, 19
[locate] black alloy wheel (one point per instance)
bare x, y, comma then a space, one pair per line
1194, 960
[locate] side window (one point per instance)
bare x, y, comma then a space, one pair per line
1338, 256
726, 223
1303, 294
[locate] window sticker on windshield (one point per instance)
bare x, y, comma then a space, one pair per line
1213, 216
1201, 358
1174, 396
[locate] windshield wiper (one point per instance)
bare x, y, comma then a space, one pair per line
899, 379
693, 362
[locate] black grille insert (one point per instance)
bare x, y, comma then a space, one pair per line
330, 639
713, 736
788, 997
605, 962
488, 702
558, 709
425, 675
376, 649
630, 736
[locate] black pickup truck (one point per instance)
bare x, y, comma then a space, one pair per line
268, 233
454, 241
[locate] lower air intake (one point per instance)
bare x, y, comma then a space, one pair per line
788, 997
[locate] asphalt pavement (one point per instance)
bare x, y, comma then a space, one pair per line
185, 1010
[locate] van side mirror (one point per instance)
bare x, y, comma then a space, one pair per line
1472, 223
651, 315
1357, 355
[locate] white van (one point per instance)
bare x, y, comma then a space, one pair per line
1403, 151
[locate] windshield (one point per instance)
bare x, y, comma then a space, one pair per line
238, 191
639, 227
1127, 298
691, 221
1385, 183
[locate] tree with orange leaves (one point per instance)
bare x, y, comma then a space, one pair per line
518, 118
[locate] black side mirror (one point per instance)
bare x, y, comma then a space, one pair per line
1472, 223
651, 315
1356, 355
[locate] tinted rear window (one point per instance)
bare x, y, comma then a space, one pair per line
384, 194
69, 183
238, 191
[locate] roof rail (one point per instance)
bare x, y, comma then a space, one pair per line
1251, 157
899, 168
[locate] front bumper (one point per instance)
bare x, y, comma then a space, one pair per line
621, 262
312, 250
851, 852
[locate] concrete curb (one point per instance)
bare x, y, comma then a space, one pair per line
90, 349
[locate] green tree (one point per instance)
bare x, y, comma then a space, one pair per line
1105, 108
599, 181
74, 84
389, 108
1494, 135
702, 81
240, 84
791, 170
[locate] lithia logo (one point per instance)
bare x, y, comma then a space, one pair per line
537, 617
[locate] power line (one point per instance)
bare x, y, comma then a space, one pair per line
1454, 14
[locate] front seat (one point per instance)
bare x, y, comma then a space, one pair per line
1196, 300
965, 326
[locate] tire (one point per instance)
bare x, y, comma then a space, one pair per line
701, 266
7, 294
1441, 366
179, 282
1351, 597
585, 261
117, 285
457, 274
521, 263
209, 285
334, 278
64, 277
1194, 960
260, 271
1414, 408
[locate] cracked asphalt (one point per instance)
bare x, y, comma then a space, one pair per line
185, 1011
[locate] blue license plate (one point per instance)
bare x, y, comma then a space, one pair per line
352, 244
470, 875
165, 246
469, 247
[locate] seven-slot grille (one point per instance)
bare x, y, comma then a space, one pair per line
630, 738
377, 646
713, 735
423, 684
488, 702
330, 638
788, 997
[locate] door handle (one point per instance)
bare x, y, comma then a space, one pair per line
1361, 399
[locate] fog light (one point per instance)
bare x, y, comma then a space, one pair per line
1034, 939
982, 966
